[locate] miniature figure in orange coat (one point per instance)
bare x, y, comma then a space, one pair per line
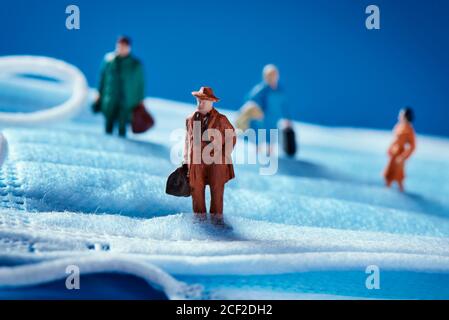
401, 149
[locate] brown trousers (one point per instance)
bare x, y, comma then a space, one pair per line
207, 175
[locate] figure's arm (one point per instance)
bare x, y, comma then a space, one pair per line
229, 133
101, 82
252, 110
96, 106
390, 150
411, 146
393, 147
229, 141
257, 98
393, 144
140, 83
186, 144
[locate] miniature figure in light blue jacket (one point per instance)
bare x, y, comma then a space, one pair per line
270, 98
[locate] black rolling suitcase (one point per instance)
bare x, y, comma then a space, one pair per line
289, 141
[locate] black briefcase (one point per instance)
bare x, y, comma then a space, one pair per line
289, 141
178, 183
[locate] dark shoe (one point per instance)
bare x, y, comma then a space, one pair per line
218, 221
109, 127
199, 218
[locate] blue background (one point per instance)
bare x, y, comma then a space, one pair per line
336, 72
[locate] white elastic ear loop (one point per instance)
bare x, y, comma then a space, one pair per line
46, 67
3, 149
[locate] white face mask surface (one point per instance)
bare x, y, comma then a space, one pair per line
80, 172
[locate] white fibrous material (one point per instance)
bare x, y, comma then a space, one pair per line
69, 193
3, 149
56, 269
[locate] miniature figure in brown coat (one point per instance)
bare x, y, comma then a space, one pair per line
210, 140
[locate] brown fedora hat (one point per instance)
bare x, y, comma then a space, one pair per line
205, 93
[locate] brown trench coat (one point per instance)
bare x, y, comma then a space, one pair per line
402, 148
214, 174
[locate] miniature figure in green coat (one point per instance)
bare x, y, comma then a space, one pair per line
121, 87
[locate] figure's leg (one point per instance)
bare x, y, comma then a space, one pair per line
123, 120
109, 127
216, 206
401, 176
390, 172
199, 201
401, 185
255, 125
268, 143
269, 150
111, 119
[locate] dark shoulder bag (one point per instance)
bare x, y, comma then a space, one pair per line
142, 120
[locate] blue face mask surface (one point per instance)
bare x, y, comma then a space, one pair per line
69, 191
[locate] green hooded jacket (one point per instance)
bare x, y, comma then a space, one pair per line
121, 85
